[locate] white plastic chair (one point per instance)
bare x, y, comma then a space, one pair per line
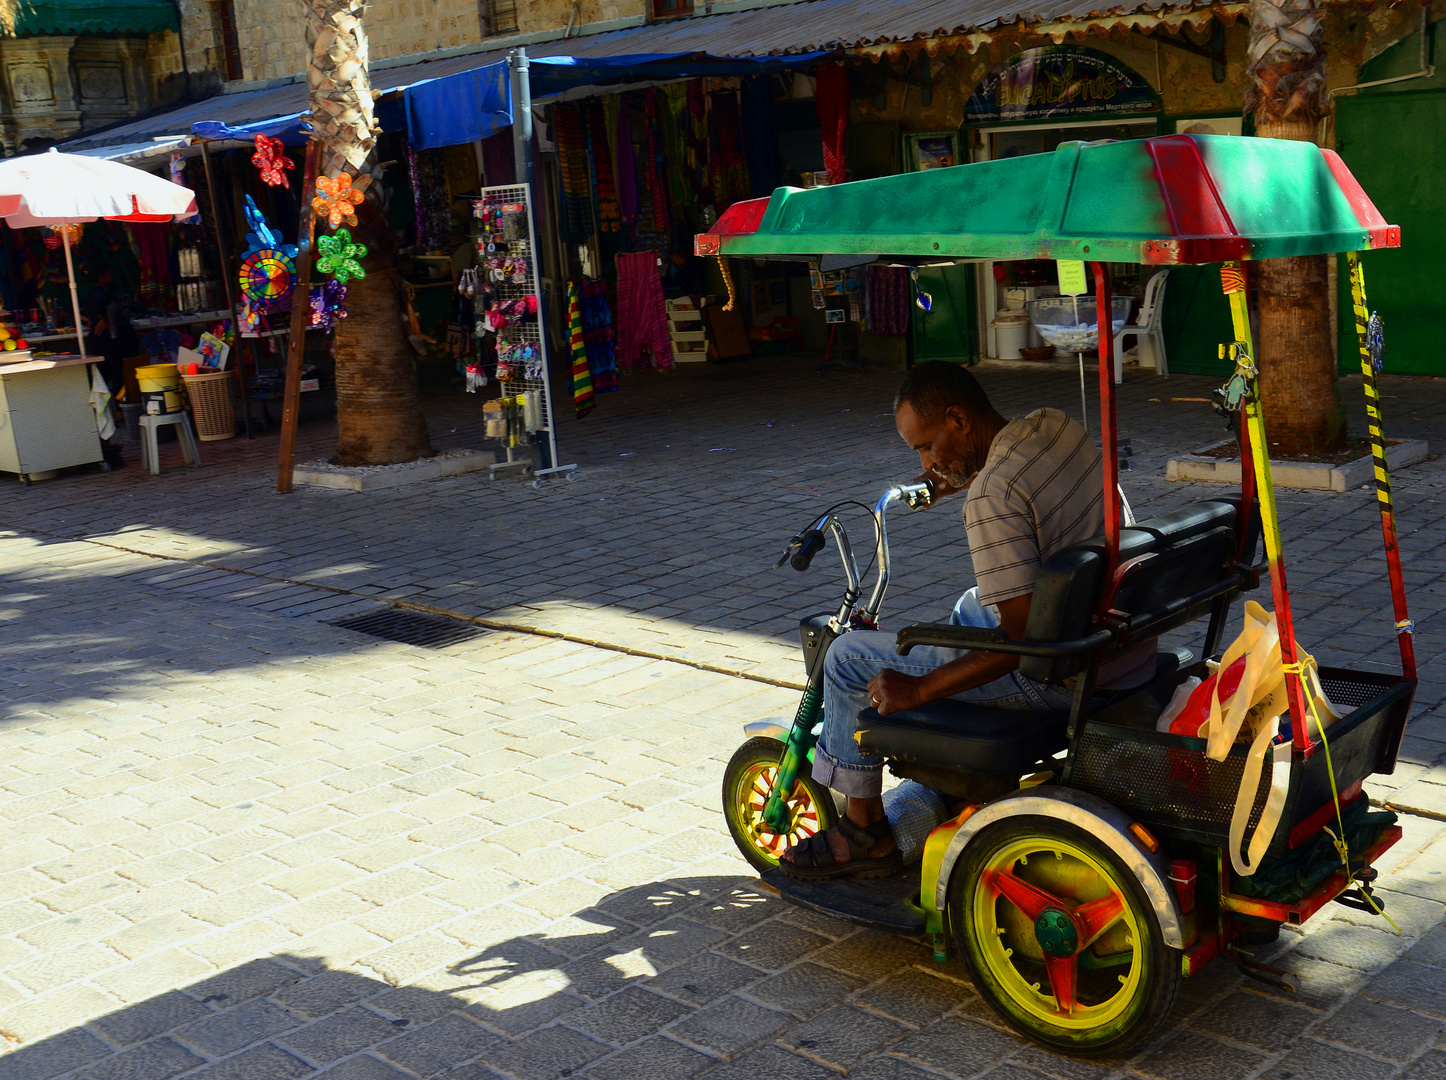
1147, 329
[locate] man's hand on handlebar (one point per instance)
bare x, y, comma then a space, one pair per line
893, 691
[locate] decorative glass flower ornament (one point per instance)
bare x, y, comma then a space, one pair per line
340, 257
271, 159
336, 200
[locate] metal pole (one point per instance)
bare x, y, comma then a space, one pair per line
225, 252
1109, 440
300, 312
74, 298
521, 116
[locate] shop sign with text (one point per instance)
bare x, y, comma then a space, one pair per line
1060, 81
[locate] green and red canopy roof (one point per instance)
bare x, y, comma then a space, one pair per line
1165, 201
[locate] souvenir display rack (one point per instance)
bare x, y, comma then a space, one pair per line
508, 308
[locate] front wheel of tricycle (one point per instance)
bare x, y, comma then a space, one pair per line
1060, 938
746, 785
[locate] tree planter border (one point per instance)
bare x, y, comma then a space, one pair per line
376, 477
1302, 475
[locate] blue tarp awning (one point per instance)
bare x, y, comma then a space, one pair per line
471, 105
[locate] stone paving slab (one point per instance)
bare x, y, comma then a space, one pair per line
250, 844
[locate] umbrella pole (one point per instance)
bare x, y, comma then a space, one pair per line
74, 297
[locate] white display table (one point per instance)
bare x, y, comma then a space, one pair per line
46, 421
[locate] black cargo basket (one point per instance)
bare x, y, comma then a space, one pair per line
1167, 782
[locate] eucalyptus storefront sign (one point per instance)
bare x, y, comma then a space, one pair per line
1059, 81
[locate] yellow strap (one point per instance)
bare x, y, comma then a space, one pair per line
1300, 669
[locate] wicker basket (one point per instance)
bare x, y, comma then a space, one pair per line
210, 396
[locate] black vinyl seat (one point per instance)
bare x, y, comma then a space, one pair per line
1187, 549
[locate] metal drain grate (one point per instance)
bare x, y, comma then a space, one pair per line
411, 627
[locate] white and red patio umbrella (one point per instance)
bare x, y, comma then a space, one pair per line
61, 189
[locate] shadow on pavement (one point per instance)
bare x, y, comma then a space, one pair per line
590, 997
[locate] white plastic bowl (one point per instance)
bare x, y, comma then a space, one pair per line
1072, 323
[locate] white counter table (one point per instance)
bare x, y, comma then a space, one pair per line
46, 421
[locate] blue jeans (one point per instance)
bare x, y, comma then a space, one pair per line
859, 655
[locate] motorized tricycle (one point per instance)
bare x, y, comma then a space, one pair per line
1096, 871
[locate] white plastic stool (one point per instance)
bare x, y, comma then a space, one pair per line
185, 435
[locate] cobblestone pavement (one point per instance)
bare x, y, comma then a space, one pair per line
246, 843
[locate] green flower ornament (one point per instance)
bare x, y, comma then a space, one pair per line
339, 256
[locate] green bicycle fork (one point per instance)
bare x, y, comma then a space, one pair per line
797, 750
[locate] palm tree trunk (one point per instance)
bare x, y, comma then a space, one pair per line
378, 405
1303, 412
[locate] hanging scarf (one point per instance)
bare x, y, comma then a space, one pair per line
572, 164
673, 126
626, 168
728, 165
609, 217
887, 289
597, 333
831, 98
657, 188
429, 191
697, 138
582, 398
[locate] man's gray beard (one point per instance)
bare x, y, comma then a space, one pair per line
956, 480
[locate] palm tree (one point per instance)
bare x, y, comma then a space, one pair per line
1303, 411
378, 405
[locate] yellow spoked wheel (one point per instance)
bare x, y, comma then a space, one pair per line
747, 782
1060, 938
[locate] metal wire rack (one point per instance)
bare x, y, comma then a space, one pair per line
530, 441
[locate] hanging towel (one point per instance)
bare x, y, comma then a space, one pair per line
582, 398
831, 98
642, 322
100, 402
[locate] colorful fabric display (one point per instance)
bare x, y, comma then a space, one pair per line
657, 186
582, 395
642, 323
597, 335
887, 289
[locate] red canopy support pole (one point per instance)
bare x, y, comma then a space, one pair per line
1232, 281
300, 313
1109, 433
1405, 636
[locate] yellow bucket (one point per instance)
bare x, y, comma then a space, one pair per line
160, 386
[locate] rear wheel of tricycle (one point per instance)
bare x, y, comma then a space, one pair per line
1060, 938
747, 782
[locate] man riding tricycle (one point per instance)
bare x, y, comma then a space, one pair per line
1085, 817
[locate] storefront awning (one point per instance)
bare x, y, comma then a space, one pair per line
36, 17
471, 105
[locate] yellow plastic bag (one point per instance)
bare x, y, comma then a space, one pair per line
1253, 712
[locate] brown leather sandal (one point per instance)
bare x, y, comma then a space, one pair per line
816, 861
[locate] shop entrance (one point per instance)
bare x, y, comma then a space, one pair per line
1001, 288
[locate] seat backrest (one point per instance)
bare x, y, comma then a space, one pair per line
1189, 549
1152, 305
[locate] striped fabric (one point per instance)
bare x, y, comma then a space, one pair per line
582, 396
